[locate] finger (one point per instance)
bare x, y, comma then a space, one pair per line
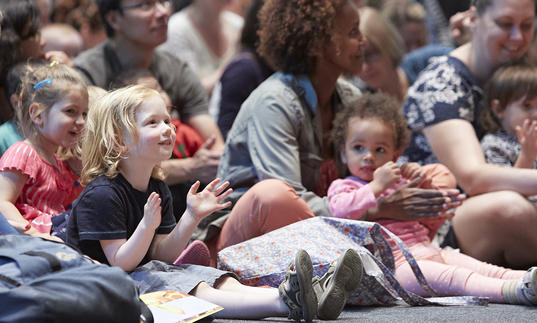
225, 195
209, 143
221, 188
413, 183
224, 205
210, 187
194, 188
427, 215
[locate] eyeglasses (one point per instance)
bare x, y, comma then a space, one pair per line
149, 5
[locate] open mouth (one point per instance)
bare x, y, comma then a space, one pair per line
166, 142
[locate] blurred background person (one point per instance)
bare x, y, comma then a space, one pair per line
204, 35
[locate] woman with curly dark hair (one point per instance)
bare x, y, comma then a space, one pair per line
278, 157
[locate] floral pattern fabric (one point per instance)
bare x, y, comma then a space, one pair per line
502, 148
445, 90
264, 260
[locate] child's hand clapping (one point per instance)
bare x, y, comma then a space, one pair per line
152, 208
527, 137
385, 176
201, 204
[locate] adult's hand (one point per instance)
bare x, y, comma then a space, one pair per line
459, 25
205, 162
409, 202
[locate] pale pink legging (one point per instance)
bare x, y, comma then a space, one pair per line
449, 272
452, 273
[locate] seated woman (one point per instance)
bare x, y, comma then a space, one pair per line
496, 224
277, 157
386, 67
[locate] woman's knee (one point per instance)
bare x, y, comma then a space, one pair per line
273, 192
509, 207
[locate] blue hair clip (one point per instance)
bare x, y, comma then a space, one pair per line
46, 81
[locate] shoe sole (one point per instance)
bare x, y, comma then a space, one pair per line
304, 270
347, 276
196, 253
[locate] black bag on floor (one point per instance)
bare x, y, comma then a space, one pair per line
45, 281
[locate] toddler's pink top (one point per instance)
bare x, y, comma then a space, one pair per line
351, 197
44, 194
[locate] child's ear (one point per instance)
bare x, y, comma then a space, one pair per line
36, 112
496, 108
342, 156
14, 100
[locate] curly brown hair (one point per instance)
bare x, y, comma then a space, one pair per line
379, 106
293, 31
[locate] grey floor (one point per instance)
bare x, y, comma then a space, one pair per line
491, 313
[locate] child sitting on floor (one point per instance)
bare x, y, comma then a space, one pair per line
34, 183
124, 216
370, 135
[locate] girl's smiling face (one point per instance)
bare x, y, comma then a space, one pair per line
155, 132
63, 122
369, 144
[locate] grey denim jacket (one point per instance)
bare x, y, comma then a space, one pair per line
278, 134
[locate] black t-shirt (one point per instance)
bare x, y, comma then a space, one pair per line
109, 209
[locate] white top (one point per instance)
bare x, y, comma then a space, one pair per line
186, 43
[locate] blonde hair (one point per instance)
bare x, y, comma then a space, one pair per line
401, 12
111, 119
44, 85
382, 35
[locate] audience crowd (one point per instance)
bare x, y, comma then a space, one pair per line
154, 132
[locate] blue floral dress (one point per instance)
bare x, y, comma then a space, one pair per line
445, 90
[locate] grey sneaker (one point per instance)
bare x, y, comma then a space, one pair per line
527, 289
335, 286
296, 290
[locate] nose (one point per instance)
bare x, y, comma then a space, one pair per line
81, 120
167, 129
162, 9
516, 33
368, 156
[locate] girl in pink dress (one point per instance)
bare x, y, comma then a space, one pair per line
370, 136
34, 183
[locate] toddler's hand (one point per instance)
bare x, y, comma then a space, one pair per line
386, 175
201, 204
152, 208
527, 137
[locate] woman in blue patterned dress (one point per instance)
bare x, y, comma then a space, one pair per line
497, 223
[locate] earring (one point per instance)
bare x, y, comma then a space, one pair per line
338, 50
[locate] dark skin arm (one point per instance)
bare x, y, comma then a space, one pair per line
409, 202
